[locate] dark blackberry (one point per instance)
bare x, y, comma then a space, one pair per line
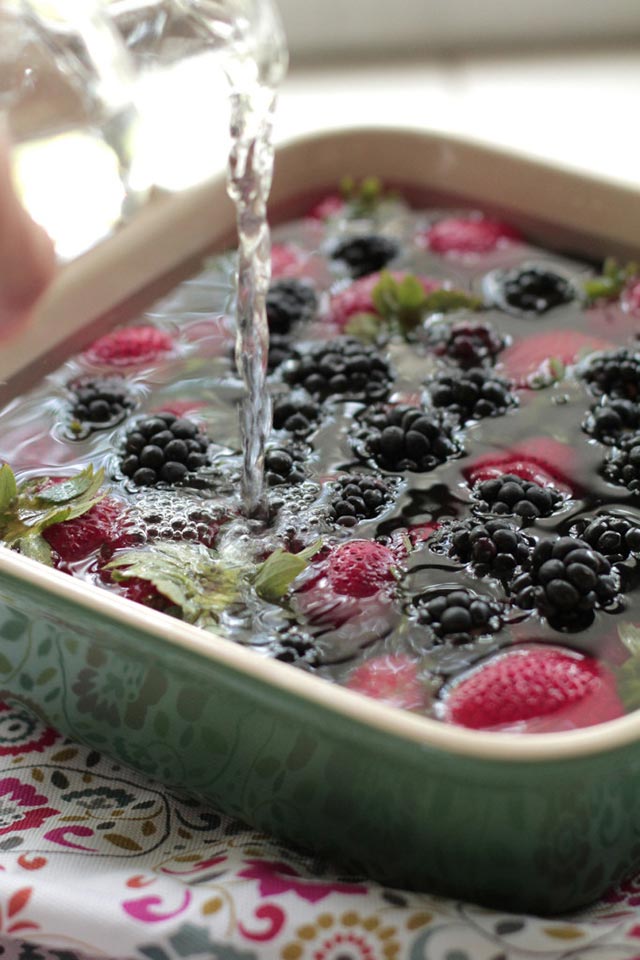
343, 367
296, 413
467, 344
164, 449
472, 395
288, 301
98, 403
510, 494
610, 420
614, 374
358, 497
280, 349
405, 438
616, 538
533, 289
457, 616
494, 547
292, 645
566, 581
366, 254
283, 466
622, 464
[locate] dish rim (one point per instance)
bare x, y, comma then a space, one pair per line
422, 731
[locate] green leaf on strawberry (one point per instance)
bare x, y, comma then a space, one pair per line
362, 198
279, 570
367, 327
30, 507
191, 575
611, 282
404, 304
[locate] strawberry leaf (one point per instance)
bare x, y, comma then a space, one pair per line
628, 675
191, 575
611, 282
404, 304
367, 327
37, 548
8, 487
279, 570
448, 301
363, 198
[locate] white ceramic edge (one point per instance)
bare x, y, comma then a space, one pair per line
322, 158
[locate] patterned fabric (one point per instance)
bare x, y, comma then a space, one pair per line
94, 861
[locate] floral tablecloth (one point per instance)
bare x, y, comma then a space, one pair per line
95, 861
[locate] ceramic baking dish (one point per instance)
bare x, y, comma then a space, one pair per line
538, 823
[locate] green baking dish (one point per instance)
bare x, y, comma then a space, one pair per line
539, 823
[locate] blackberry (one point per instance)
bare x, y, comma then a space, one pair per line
358, 497
494, 547
342, 367
280, 349
615, 537
614, 374
296, 413
99, 403
610, 420
472, 395
566, 581
622, 464
405, 438
467, 344
288, 301
283, 466
532, 289
164, 449
457, 616
292, 645
510, 494
366, 254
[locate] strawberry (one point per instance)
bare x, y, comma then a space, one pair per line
390, 678
285, 260
541, 358
331, 205
473, 234
541, 460
360, 568
77, 539
129, 346
631, 297
541, 689
357, 297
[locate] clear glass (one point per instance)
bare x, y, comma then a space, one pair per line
109, 102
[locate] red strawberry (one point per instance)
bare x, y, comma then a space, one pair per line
392, 679
536, 690
332, 205
631, 297
461, 235
416, 536
76, 539
356, 298
541, 460
360, 568
532, 358
141, 591
129, 346
285, 260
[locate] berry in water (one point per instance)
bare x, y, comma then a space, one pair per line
614, 374
99, 403
129, 347
457, 616
469, 235
164, 449
510, 494
494, 547
405, 438
622, 464
366, 254
282, 466
358, 497
343, 368
296, 413
289, 301
615, 537
466, 343
472, 395
533, 290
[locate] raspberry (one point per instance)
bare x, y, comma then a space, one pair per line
566, 581
283, 466
289, 301
610, 421
530, 289
405, 438
164, 449
494, 547
615, 537
366, 254
358, 497
296, 413
540, 689
343, 367
357, 297
392, 679
472, 395
457, 616
614, 374
99, 403
77, 539
467, 344
510, 494
473, 234
129, 346
622, 464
